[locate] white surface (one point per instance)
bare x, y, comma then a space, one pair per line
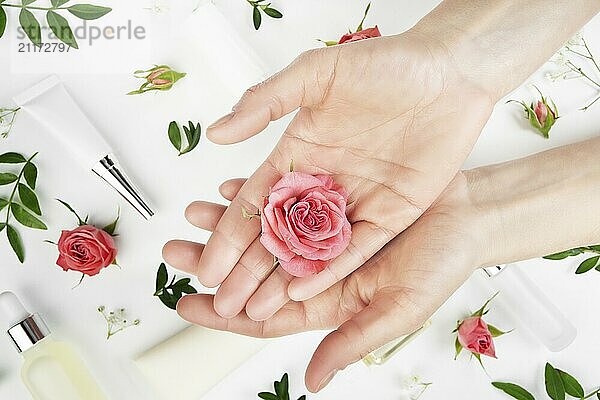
136, 127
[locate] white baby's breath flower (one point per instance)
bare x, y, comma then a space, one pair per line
576, 40
412, 387
116, 321
159, 7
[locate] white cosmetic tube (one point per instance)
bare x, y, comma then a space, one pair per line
50, 104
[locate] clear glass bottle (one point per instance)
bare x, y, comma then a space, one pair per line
51, 370
387, 351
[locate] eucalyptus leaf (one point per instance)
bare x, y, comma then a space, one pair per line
60, 27
29, 199
564, 254
7, 178
515, 391
554, 384
572, 386
273, 13
161, 277
2, 21
12, 158
587, 265
30, 172
26, 218
88, 11
256, 18
31, 26
15, 242
175, 135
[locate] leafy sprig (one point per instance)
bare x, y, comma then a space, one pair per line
281, 391
7, 120
558, 384
58, 24
171, 293
23, 211
191, 136
586, 265
257, 7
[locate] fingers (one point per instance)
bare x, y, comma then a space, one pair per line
379, 323
185, 255
367, 239
198, 309
268, 101
270, 296
234, 234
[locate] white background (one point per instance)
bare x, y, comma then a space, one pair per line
98, 77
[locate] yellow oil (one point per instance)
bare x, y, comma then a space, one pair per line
54, 371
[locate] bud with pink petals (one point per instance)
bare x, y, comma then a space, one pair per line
161, 77
541, 114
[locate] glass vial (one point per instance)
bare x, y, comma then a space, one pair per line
51, 370
385, 352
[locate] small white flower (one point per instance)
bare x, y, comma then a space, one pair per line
159, 7
116, 321
576, 40
413, 387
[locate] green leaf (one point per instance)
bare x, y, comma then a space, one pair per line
58, 3
88, 11
360, 26
495, 331
2, 21
303, 397
182, 282
273, 13
15, 242
175, 135
169, 300
112, 227
12, 158
68, 206
587, 265
594, 247
515, 391
161, 277
3, 203
7, 178
2, 226
564, 254
26, 218
30, 172
268, 396
193, 134
256, 18
458, 348
60, 27
482, 310
572, 386
27, 2
31, 26
285, 387
29, 199
189, 289
554, 383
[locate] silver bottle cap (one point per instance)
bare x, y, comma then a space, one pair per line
28, 332
108, 168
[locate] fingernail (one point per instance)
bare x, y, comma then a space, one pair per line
326, 380
222, 120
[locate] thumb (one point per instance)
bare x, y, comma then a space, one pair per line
268, 101
383, 320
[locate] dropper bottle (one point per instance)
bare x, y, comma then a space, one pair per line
51, 370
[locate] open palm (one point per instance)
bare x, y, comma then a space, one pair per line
389, 118
393, 294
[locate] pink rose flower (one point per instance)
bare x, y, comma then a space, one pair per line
475, 336
360, 35
86, 249
304, 222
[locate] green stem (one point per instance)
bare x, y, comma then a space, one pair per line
592, 394
14, 191
33, 7
589, 105
578, 70
590, 53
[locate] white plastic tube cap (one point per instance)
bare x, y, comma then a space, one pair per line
12, 310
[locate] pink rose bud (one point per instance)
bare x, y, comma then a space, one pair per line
304, 222
86, 249
541, 112
161, 77
154, 75
475, 336
360, 35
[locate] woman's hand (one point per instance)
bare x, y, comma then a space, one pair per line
392, 295
392, 119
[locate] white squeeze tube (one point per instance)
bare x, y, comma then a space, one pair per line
50, 104
531, 306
